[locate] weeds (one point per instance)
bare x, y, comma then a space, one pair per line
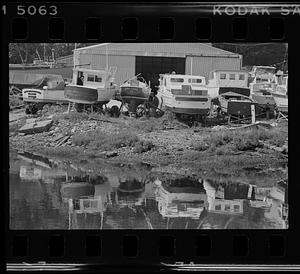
143, 146
73, 117
146, 125
15, 101
104, 141
245, 140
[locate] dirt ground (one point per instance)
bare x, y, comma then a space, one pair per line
258, 155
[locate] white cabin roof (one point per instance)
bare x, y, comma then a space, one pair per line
182, 76
229, 71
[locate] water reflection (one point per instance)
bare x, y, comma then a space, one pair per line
46, 195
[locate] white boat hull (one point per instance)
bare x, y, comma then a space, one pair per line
184, 104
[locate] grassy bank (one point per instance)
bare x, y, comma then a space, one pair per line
238, 154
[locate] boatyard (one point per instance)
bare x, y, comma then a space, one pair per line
205, 144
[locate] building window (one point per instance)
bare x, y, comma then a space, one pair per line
91, 78
218, 207
236, 208
177, 80
242, 77
98, 79
86, 204
223, 76
227, 207
231, 76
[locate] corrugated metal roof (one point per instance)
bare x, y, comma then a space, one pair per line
165, 49
66, 57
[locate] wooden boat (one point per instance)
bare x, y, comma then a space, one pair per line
91, 86
236, 104
134, 92
183, 94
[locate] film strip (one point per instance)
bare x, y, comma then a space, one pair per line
164, 248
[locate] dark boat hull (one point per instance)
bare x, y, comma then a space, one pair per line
133, 96
238, 108
189, 111
241, 91
81, 94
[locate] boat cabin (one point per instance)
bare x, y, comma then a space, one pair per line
263, 70
86, 205
227, 206
263, 74
228, 78
168, 80
179, 84
92, 78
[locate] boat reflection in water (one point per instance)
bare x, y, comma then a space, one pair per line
185, 200
44, 195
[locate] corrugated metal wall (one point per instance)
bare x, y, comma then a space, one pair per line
66, 60
203, 65
125, 64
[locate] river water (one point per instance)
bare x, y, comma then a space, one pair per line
45, 195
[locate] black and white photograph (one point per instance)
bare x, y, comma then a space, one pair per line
148, 136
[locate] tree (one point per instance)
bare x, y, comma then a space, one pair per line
275, 54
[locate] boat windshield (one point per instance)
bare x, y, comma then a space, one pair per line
263, 70
177, 80
195, 80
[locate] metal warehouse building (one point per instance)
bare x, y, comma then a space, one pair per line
151, 59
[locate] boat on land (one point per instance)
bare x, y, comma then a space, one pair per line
134, 92
37, 89
236, 104
183, 94
262, 84
229, 90
280, 92
91, 86
224, 81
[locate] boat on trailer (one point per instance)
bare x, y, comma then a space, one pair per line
184, 94
91, 87
134, 92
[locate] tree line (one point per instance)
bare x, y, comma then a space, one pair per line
20, 53
268, 54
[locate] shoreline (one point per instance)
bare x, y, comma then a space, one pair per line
171, 146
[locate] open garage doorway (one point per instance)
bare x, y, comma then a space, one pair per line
151, 67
